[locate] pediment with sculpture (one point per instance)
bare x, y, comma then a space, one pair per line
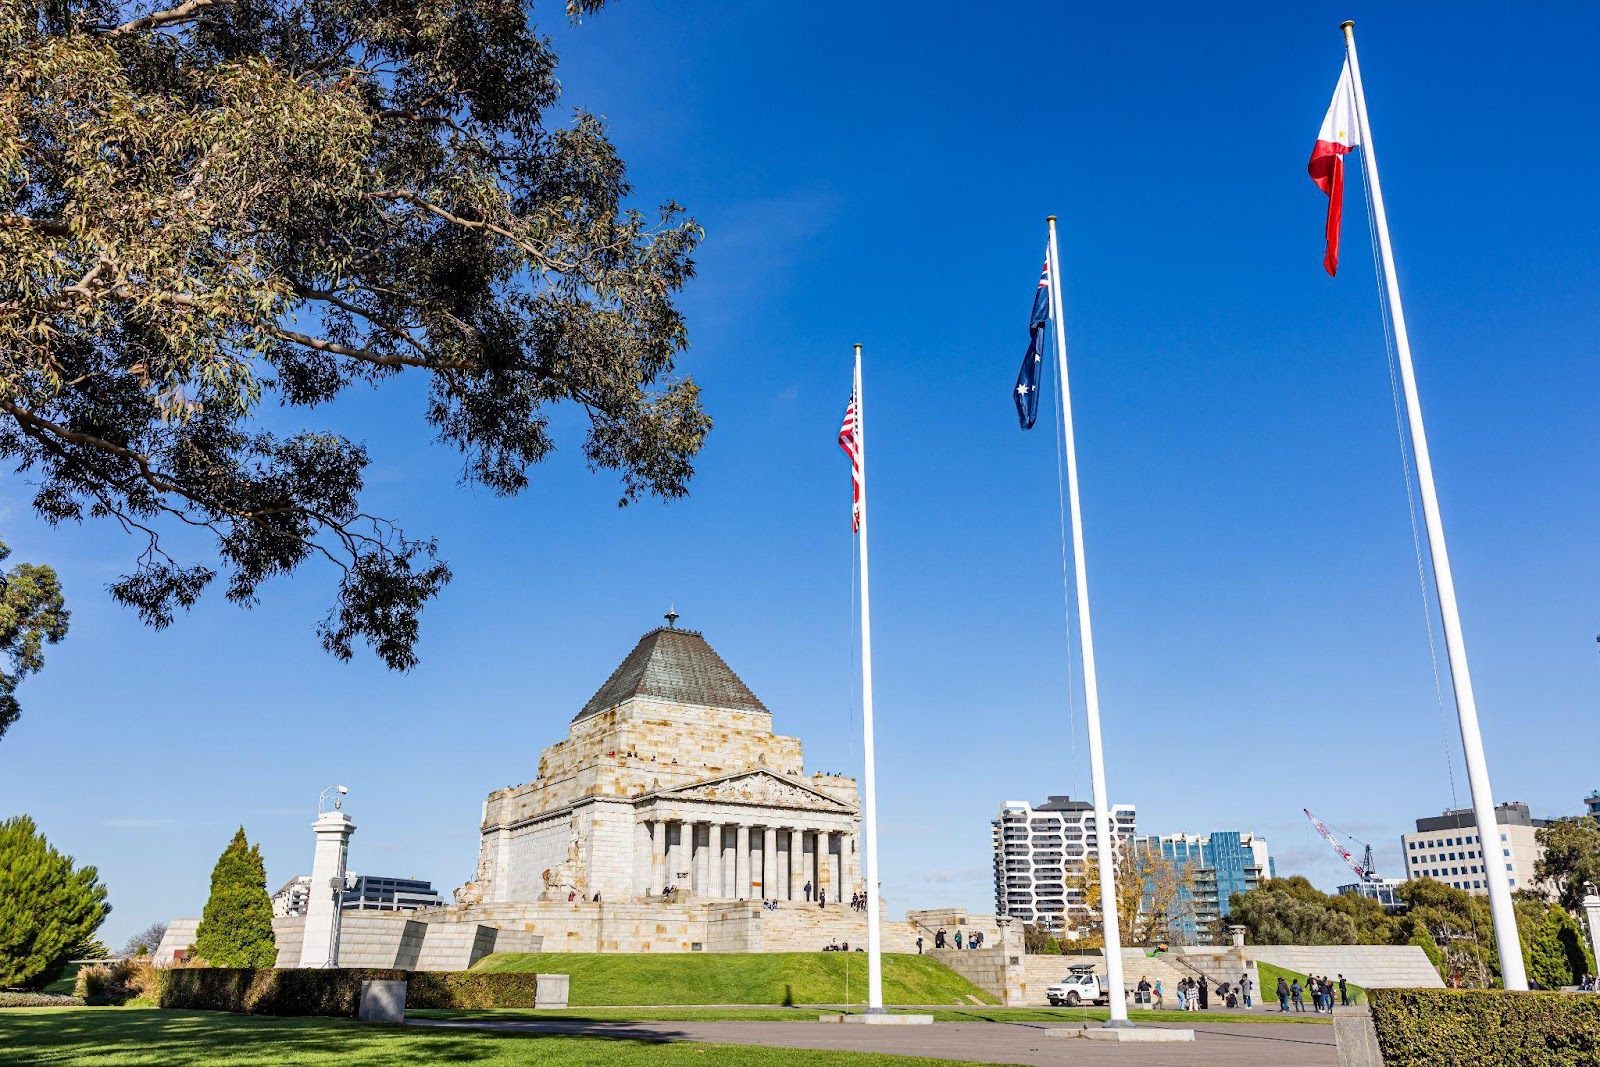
759, 788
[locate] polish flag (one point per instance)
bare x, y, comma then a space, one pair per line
1341, 131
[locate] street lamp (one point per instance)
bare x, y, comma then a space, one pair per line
322, 798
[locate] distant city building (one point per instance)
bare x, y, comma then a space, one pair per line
362, 892
1447, 848
1592, 802
1223, 862
1380, 889
1036, 849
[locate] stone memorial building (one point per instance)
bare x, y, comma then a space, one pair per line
670, 777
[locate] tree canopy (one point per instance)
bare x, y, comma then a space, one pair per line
236, 926
49, 908
33, 613
1570, 858
1153, 892
218, 207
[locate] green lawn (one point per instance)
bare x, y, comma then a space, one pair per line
1268, 994
944, 1015
113, 1037
613, 978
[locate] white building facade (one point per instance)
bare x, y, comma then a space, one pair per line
1038, 850
1448, 849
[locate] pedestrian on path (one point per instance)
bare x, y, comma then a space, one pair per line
1297, 996
1157, 995
1344, 993
1183, 994
1205, 990
1244, 988
1283, 994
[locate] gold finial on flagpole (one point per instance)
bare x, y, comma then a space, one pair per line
1347, 25
1049, 218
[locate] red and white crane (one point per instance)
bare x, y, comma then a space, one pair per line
1365, 869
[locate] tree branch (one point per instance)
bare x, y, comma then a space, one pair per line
184, 12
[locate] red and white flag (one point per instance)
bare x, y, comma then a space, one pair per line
851, 443
1341, 131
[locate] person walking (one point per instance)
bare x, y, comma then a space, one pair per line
1283, 994
938, 938
1157, 995
1205, 990
1244, 988
1183, 994
808, 892
1344, 993
958, 940
1297, 995
919, 944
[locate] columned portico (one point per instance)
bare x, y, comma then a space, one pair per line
797, 863
769, 862
741, 863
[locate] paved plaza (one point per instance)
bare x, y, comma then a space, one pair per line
1221, 1044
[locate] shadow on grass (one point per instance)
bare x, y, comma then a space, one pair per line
114, 1038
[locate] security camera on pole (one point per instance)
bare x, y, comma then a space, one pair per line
326, 897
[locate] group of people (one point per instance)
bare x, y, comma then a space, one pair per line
858, 901
835, 945
941, 939
1194, 994
1321, 989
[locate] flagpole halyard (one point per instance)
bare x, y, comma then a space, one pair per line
1104, 848
1500, 906
869, 785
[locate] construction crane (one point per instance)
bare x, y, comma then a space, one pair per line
1365, 870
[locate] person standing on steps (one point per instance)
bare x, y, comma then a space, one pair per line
808, 892
822, 898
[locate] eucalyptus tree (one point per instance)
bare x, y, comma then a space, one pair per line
215, 209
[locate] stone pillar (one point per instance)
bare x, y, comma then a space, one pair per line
847, 860
841, 891
769, 863
320, 947
741, 862
1591, 915
658, 855
797, 864
719, 887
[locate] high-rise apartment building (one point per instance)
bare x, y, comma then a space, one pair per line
1447, 848
362, 892
1037, 849
1223, 862
1592, 802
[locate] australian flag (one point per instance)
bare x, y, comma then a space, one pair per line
1028, 378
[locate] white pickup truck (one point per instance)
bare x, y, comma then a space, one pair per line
1082, 986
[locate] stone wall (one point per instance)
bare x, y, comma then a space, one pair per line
380, 939
1369, 966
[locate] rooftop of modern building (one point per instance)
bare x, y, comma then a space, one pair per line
1510, 813
1062, 803
674, 665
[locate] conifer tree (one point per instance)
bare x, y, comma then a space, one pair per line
48, 908
236, 926
1556, 955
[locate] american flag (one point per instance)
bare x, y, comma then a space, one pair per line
852, 448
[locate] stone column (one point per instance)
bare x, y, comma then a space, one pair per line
769, 863
741, 863
714, 860
797, 864
836, 867
847, 860
320, 944
1591, 913
658, 855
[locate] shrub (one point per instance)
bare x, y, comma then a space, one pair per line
335, 992
1485, 1027
38, 1000
118, 982
49, 907
236, 926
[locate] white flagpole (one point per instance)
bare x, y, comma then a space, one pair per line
1104, 849
869, 776
1500, 908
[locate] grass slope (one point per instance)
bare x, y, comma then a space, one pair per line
114, 1037
614, 978
1268, 994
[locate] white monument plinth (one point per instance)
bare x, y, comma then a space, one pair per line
321, 945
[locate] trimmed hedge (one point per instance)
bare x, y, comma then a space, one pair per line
334, 992
1486, 1027
38, 1000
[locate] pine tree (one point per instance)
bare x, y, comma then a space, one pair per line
236, 926
48, 908
1556, 955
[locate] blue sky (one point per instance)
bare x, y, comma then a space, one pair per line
880, 173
